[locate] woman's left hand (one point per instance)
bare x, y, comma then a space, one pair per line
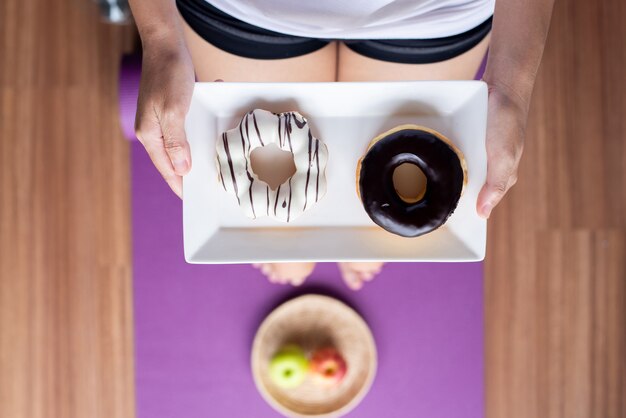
506, 125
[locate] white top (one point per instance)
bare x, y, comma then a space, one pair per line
361, 19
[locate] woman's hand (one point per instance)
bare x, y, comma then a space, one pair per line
167, 81
518, 37
506, 124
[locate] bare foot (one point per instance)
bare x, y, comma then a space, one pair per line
286, 273
356, 274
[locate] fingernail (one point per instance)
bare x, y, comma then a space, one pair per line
486, 210
180, 166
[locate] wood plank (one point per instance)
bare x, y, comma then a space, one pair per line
65, 290
556, 264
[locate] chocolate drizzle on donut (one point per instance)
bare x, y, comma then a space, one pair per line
230, 164
276, 202
220, 171
257, 129
250, 178
443, 170
288, 130
247, 130
317, 162
299, 124
289, 208
308, 173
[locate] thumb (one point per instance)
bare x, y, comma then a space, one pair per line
175, 142
501, 176
489, 196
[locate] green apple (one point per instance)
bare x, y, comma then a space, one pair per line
289, 367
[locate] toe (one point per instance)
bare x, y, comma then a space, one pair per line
356, 274
293, 273
297, 281
370, 267
352, 279
270, 272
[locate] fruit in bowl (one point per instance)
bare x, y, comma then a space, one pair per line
289, 367
328, 367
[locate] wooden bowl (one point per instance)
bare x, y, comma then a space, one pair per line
314, 321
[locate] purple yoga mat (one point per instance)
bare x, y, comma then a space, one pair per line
194, 325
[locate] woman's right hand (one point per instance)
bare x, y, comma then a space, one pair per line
167, 80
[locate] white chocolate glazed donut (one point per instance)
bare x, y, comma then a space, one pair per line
289, 131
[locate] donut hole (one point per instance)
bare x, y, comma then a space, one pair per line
409, 181
272, 165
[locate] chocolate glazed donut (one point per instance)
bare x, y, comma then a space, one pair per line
442, 164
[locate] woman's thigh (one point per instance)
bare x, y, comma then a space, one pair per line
212, 63
352, 66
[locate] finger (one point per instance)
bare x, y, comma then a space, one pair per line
501, 176
175, 140
256, 265
163, 164
148, 131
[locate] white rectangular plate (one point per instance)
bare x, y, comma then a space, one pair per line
346, 116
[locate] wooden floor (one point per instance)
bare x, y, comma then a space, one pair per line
556, 267
65, 260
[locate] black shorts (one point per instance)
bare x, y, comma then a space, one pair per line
246, 40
